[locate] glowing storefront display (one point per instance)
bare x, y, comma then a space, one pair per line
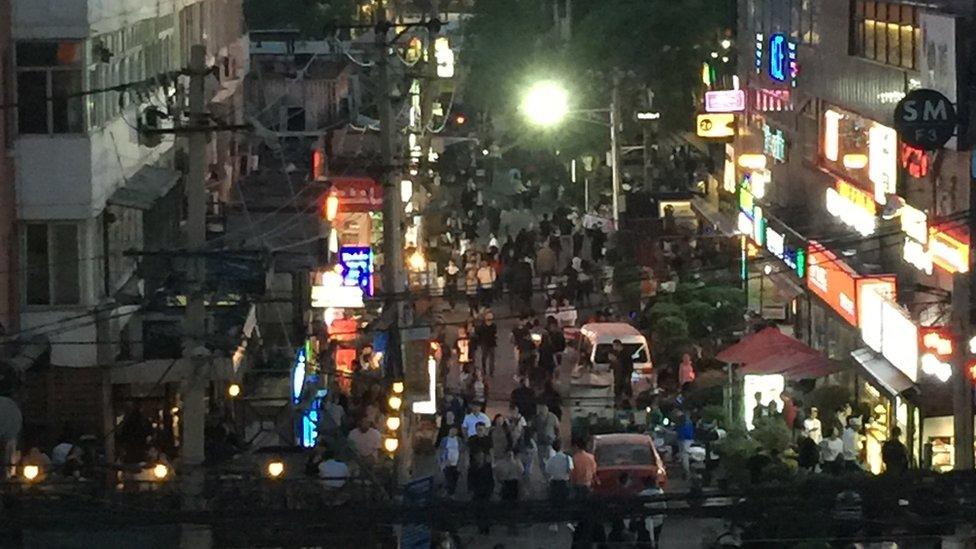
838, 285
728, 173
768, 387
853, 207
883, 161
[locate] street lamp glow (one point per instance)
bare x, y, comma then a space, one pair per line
393, 423
275, 469
726, 44
160, 471
31, 472
233, 390
546, 104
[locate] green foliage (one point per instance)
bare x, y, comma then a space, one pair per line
627, 282
309, 17
735, 450
771, 433
699, 315
715, 413
661, 310
828, 399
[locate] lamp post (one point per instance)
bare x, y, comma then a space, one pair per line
547, 104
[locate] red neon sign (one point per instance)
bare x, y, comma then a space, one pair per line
916, 161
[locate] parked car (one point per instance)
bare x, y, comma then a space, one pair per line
623, 462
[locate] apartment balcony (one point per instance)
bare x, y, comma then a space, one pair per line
45, 19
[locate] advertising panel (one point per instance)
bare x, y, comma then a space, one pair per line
948, 251
883, 161
725, 101
854, 207
838, 285
937, 62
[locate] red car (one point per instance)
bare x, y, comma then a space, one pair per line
623, 462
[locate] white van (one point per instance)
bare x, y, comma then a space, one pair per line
596, 340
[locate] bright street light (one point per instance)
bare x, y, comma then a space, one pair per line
546, 104
726, 44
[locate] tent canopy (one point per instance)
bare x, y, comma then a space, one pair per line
770, 351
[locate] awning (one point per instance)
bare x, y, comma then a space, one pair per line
143, 189
721, 221
883, 373
785, 287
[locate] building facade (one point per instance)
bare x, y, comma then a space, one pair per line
90, 187
864, 234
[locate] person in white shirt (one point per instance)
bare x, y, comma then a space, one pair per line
852, 444
469, 426
448, 458
366, 441
812, 428
831, 449
653, 523
558, 468
333, 473
486, 283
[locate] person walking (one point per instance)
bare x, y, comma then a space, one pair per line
812, 428
546, 427
653, 524
501, 437
545, 265
451, 283
686, 371
852, 444
486, 276
584, 469
686, 435
507, 471
463, 349
475, 415
558, 468
831, 449
480, 479
487, 335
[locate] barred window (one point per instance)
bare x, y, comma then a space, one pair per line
886, 32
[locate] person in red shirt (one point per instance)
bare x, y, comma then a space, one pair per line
584, 470
789, 411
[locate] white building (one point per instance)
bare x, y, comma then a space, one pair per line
88, 189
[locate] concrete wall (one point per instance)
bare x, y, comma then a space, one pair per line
8, 232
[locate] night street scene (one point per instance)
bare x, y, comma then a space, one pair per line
487, 274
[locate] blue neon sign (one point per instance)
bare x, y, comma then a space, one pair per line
778, 57
357, 267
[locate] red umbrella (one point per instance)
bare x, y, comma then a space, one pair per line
760, 345
816, 366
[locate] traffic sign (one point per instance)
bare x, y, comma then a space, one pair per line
716, 125
925, 119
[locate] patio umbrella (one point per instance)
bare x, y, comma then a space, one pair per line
778, 362
761, 345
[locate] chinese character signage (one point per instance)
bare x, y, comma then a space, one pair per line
774, 143
838, 285
357, 267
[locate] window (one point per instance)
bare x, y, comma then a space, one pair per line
886, 32
48, 73
52, 270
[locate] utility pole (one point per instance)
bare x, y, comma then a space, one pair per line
615, 148
194, 325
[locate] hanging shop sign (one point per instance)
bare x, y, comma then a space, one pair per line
357, 267
949, 251
887, 329
444, 56
782, 59
330, 292
794, 255
728, 172
357, 194
936, 347
774, 143
914, 223
716, 125
837, 284
725, 101
831, 139
925, 119
883, 161
853, 207
915, 161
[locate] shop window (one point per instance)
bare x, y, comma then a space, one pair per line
52, 269
886, 32
48, 74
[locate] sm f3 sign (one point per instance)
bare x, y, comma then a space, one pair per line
925, 119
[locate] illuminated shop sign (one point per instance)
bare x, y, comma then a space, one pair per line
771, 100
794, 256
759, 52
948, 251
915, 161
883, 161
837, 284
774, 143
887, 329
728, 173
782, 59
725, 101
854, 207
357, 267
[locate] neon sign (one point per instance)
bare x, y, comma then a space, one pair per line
774, 143
357, 267
759, 52
916, 161
778, 61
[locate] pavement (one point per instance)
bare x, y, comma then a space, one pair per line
678, 532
